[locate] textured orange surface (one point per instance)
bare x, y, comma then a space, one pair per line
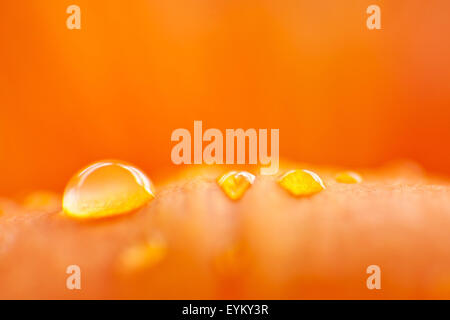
267, 245
339, 93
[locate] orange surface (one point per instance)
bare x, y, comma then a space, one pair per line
341, 95
338, 92
193, 242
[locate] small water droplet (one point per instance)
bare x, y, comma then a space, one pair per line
142, 256
348, 177
301, 182
106, 188
235, 183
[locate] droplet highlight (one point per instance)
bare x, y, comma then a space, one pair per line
301, 182
106, 188
348, 177
236, 183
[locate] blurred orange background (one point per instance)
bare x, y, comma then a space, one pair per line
339, 93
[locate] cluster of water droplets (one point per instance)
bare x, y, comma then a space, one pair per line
109, 188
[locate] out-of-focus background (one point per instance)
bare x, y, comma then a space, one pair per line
339, 93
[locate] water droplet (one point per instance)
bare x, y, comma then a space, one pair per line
301, 182
142, 256
348, 177
106, 188
235, 183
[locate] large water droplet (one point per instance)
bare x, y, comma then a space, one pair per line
106, 188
